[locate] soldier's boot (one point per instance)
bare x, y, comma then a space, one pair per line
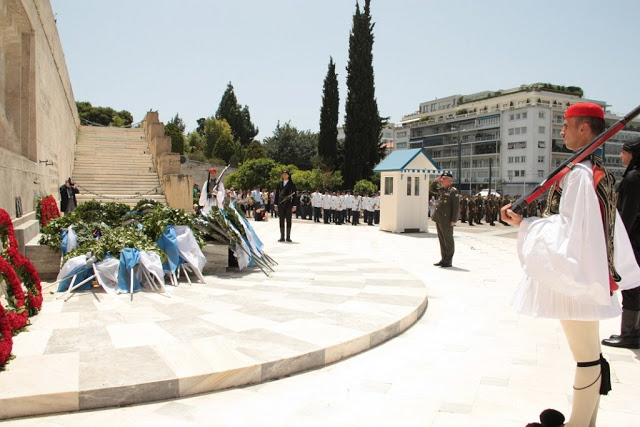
281, 234
629, 333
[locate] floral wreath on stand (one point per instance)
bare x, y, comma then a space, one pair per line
19, 310
47, 209
6, 338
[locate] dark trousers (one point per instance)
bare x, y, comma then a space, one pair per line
369, 215
376, 217
447, 246
316, 214
326, 215
349, 215
284, 213
631, 299
365, 216
355, 217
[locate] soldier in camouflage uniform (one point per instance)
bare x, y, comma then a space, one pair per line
445, 216
479, 204
464, 202
490, 210
471, 213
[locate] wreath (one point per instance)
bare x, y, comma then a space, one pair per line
6, 338
47, 209
24, 269
17, 313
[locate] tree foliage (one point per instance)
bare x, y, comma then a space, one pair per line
364, 186
215, 130
363, 124
253, 173
237, 116
254, 151
177, 120
317, 179
105, 116
173, 131
329, 113
224, 148
288, 145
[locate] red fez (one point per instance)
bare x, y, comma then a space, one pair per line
584, 109
213, 170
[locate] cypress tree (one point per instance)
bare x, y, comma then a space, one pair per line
237, 116
362, 120
329, 113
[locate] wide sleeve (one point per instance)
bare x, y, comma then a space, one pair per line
566, 252
220, 195
203, 194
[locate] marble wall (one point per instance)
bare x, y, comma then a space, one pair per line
38, 116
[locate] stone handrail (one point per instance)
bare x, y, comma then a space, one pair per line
176, 187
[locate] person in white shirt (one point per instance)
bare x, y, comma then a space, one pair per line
212, 192
356, 207
376, 209
326, 207
571, 259
316, 203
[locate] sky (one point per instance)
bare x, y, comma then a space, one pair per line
178, 56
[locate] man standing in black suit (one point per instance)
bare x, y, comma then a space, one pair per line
285, 203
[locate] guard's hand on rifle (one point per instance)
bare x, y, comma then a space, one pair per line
293, 209
509, 216
275, 207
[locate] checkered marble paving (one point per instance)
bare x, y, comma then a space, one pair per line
96, 350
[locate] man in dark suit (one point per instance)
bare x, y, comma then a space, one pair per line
68, 191
285, 203
445, 216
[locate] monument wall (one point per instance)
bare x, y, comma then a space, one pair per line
38, 116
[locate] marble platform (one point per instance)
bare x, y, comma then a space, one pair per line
238, 328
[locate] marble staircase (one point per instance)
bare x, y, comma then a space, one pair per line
115, 164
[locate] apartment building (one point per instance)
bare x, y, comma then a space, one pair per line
508, 140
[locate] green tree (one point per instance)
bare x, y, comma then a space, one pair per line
237, 116
225, 148
365, 186
178, 122
288, 145
254, 173
103, 116
363, 124
177, 137
194, 143
254, 151
215, 129
329, 113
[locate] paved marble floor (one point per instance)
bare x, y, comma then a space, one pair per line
98, 350
469, 361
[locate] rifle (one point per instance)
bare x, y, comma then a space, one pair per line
215, 186
568, 164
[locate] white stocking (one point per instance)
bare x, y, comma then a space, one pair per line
584, 342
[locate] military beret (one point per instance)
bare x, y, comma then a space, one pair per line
584, 109
447, 174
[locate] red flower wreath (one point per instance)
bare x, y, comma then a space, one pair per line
29, 275
6, 338
17, 318
26, 269
48, 210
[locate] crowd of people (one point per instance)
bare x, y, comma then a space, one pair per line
328, 207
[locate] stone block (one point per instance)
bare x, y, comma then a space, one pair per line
168, 164
217, 255
45, 260
178, 191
